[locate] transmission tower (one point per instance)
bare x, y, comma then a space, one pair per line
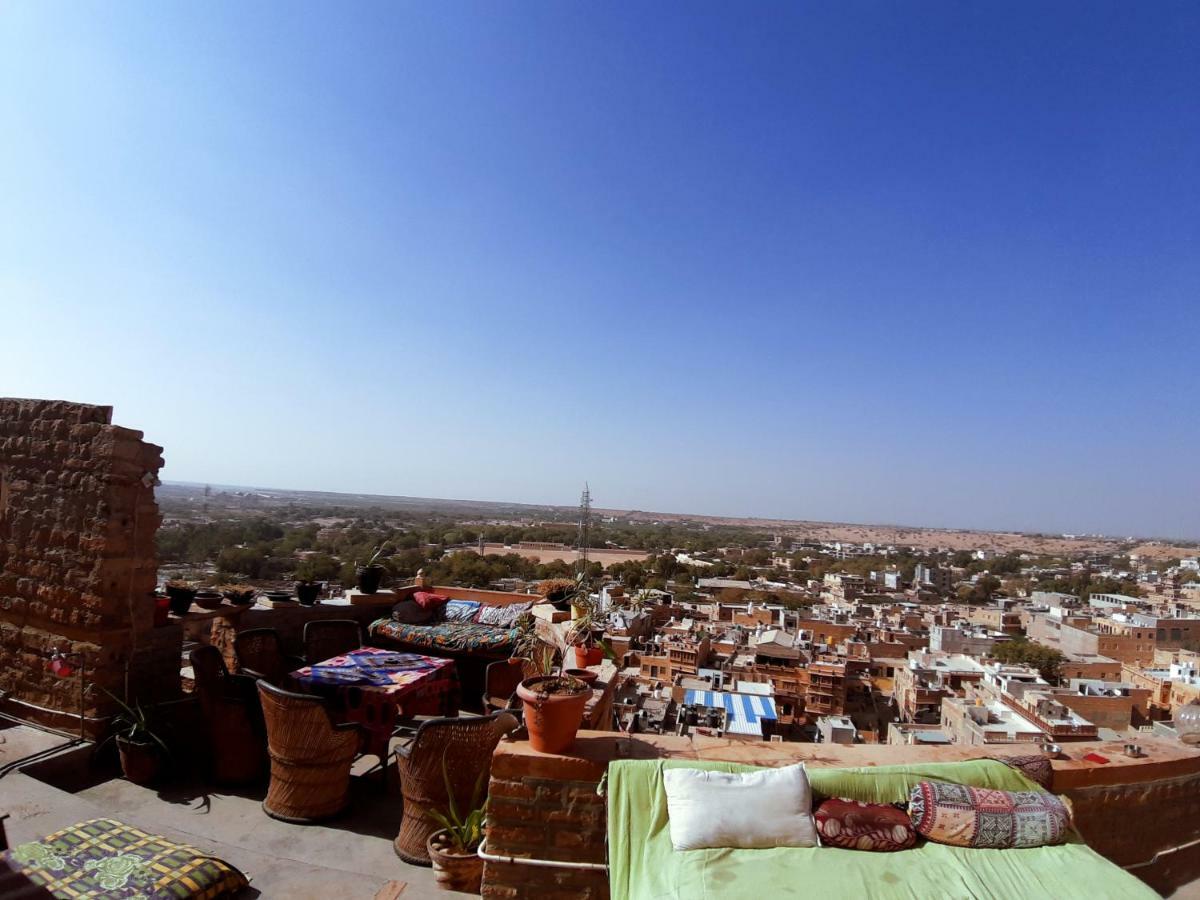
585, 526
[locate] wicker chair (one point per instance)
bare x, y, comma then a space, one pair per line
260, 654
236, 733
501, 681
466, 745
334, 637
310, 757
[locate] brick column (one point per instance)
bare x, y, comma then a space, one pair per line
77, 560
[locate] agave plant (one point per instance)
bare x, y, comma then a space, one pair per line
465, 830
133, 723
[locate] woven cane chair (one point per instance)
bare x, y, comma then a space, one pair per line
237, 736
335, 637
260, 654
466, 745
310, 757
501, 680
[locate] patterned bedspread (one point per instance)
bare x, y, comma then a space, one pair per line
457, 636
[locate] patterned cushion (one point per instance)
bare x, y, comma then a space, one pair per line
864, 826
1033, 766
981, 817
460, 610
453, 636
106, 858
502, 615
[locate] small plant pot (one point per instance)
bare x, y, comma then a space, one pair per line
587, 676
208, 599
239, 596
277, 596
369, 578
307, 592
162, 606
553, 710
588, 656
140, 762
180, 599
455, 870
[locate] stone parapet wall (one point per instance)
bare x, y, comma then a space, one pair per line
77, 557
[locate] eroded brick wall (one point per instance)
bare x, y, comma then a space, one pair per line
77, 559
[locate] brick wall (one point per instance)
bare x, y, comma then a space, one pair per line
77, 559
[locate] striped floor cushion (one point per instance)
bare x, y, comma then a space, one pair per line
107, 858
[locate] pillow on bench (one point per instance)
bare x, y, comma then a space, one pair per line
769, 808
853, 825
964, 816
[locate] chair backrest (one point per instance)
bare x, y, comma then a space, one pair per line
466, 744
333, 637
260, 651
208, 668
500, 682
298, 725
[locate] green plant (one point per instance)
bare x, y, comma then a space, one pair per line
377, 558
529, 645
465, 831
134, 724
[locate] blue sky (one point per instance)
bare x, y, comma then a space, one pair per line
915, 263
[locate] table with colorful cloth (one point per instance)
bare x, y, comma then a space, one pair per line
374, 687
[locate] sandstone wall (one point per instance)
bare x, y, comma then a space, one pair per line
77, 560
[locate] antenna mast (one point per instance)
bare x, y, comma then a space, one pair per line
585, 527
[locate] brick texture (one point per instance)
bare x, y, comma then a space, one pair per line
77, 558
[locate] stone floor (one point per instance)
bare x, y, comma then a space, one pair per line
348, 857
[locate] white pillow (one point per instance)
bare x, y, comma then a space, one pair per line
769, 808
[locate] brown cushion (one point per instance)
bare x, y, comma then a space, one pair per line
864, 826
409, 612
982, 817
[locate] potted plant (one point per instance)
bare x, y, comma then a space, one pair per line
181, 594
560, 591
141, 750
238, 594
452, 850
371, 575
553, 706
307, 592
589, 650
207, 598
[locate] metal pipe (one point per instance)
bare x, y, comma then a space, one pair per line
1152, 860
39, 755
534, 861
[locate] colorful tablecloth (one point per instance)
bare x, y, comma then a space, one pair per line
373, 687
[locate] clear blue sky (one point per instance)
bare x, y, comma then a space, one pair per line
918, 263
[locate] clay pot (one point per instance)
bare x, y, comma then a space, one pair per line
307, 592
587, 676
208, 599
369, 578
240, 597
588, 656
181, 599
277, 596
455, 870
553, 719
140, 762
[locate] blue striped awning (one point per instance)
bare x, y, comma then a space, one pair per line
744, 712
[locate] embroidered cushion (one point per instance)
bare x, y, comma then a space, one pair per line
981, 817
428, 600
502, 615
107, 858
461, 610
767, 808
1033, 766
864, 826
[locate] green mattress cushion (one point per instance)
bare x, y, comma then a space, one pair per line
644, 866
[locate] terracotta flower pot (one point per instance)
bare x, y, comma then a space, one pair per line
588, 656
553, 708
140, 762
455, 870
208, 599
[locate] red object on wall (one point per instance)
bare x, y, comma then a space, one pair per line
162, 607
